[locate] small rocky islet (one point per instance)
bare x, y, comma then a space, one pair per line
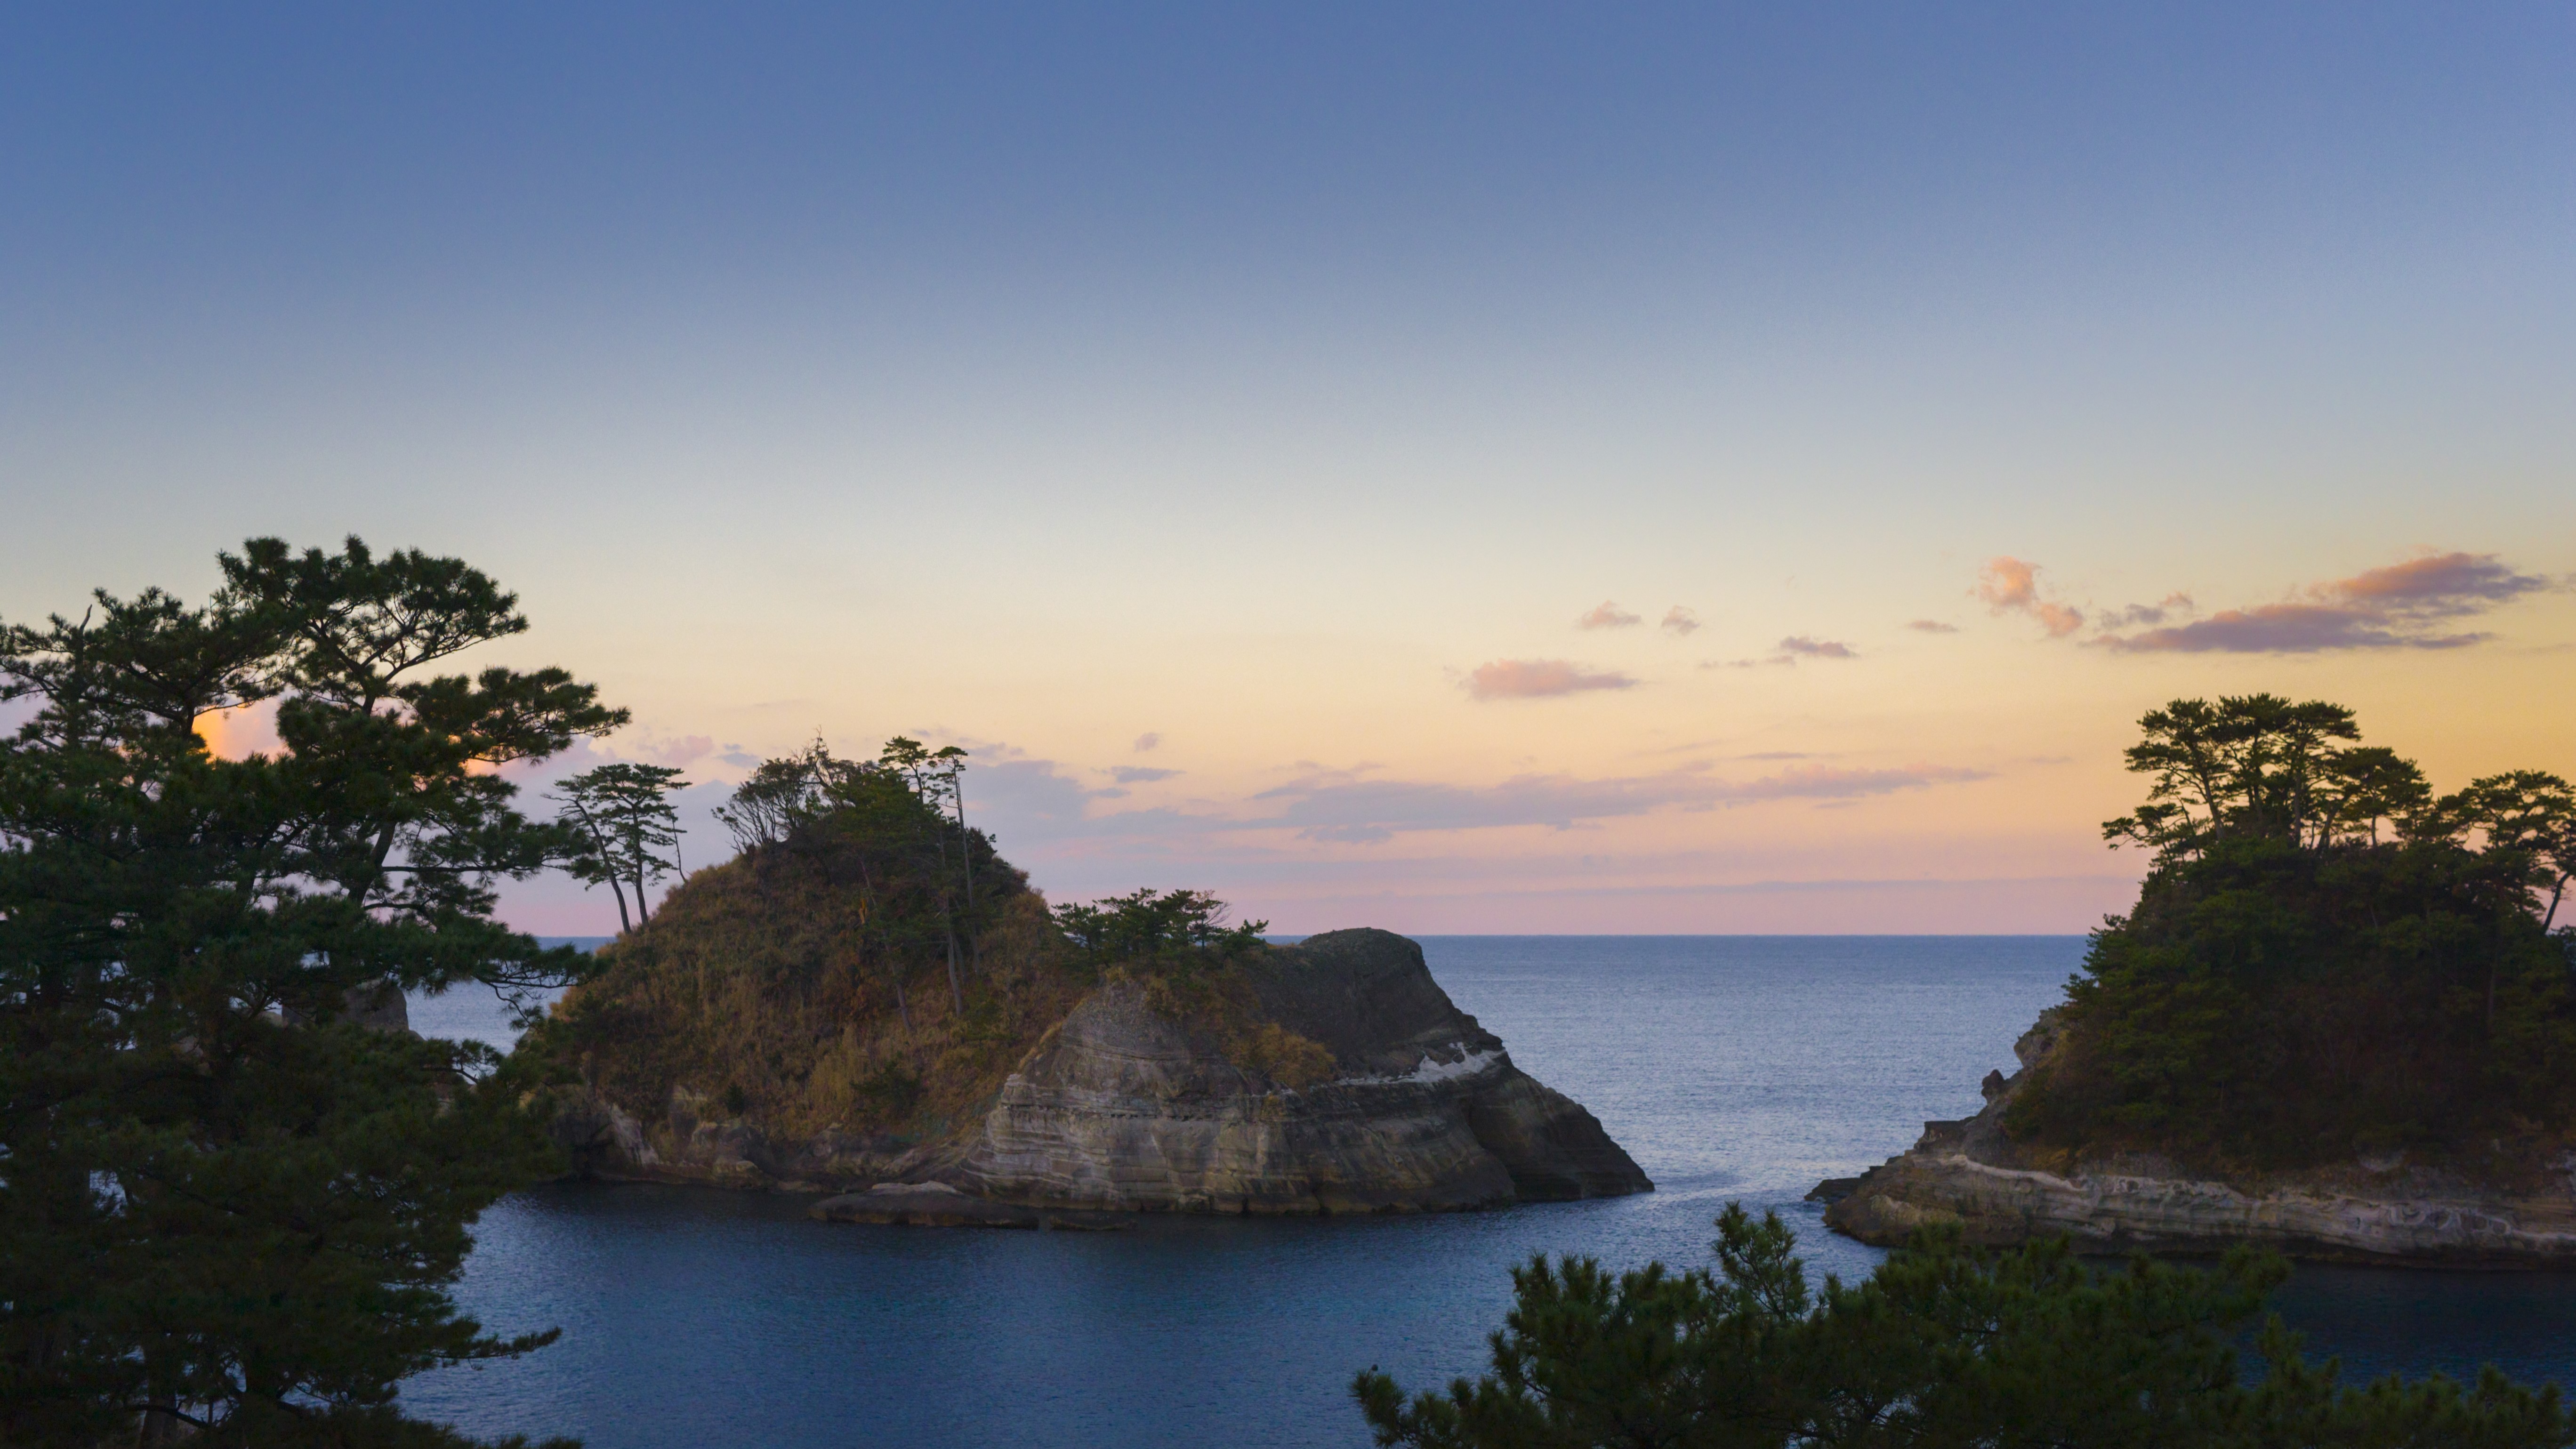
740, 1041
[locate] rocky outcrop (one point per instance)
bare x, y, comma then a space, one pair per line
1121, 1109
2381, 1209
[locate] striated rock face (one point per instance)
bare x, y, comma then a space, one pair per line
2376, 1210
1120, 1110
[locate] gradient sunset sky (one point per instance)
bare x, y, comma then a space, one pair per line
1451, 468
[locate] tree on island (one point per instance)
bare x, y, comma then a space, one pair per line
895, 825
1182, 929
622, 812
2326, 957
1941, 1347
228, 1211
785, 984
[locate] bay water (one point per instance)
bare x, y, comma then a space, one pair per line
1733, 1068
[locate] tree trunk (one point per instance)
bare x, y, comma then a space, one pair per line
624, 925
966, 853
956, 992
901, 1007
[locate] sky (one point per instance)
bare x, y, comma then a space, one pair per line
1474, 468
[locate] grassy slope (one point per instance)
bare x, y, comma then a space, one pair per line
755, 986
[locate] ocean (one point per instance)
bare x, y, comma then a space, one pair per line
1733, 1068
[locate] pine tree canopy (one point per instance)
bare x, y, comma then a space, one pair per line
231, 1207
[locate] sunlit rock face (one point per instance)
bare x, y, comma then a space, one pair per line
1969, 1174
1121, 1109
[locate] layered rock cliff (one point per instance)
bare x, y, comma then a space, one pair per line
2376, 1209
1123, 1109
1391, 1099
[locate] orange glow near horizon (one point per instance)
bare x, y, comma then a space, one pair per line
240, 732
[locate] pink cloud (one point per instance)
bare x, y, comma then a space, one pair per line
1147, 741
676, 752
2010, 585
1540, 679
1607, 615
2400, 606
1679, 620
1932, 626
2007, 583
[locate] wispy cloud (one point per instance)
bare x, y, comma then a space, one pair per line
1368, 811
1931, 626
1540, 679
2135, 615
1790, 651
1147, 741
2409, 605
1607, 615
1679, 620
2011, 586
1137, 774
1802, 647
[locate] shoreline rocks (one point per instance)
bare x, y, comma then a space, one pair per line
937, 1205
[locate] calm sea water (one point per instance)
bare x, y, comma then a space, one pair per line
1729, 1067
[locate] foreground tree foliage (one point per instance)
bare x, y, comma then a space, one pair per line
1941, 1346
230, 1209
2325, 959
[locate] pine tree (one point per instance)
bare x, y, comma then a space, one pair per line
1943, 1347
229, 1211
622, 812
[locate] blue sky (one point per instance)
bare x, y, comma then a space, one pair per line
1046, 377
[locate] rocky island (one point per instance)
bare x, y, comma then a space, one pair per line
779, 1025
2338, 1023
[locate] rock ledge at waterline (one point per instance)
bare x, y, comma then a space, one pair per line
2378, 1210
1117, 1109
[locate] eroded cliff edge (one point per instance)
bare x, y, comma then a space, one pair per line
2375, 1209
1126, 1106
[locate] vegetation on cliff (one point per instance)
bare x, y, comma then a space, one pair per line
1940, 1346
2326, 958
231, 1210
